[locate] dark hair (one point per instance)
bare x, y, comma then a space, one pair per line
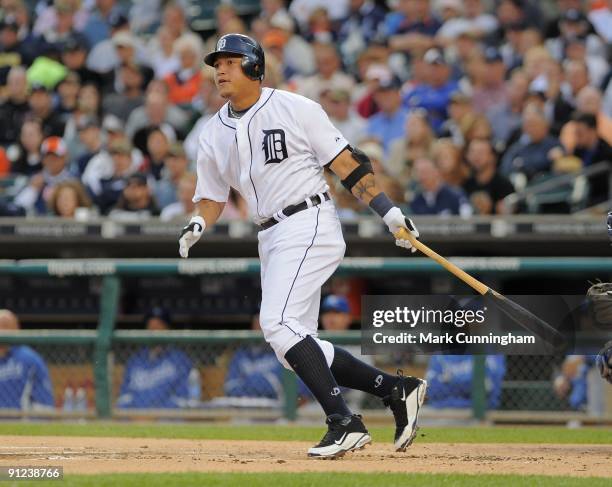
587, 119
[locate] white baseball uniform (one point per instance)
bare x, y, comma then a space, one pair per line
274, 156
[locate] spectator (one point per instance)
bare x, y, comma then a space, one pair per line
15, 106
486, 188
159, 140
493, 92
597, 66
602, 21
434, 94
571, 383
74, 57
88, 107
588, 101
449, 380
505, 119
25, 155
156, 111
24, 378
460, 110
184, 207
90, 138
156, 376
184, 83
298, 56
577, 77
301, 10
121, 46
535, 150
55, 34
68, 91
41, 107
592, 149
337, 105
67, 197
108, 188
359, 28
411, 27
131, 97
98, 27
11, 47
388, 124
435, 197
163, 56
320, 27
469, 16
448, 158
175, 166
136, 202
35, 195
254, 371
573, 24
328, 76
416, 143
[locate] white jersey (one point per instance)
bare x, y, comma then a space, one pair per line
273, 155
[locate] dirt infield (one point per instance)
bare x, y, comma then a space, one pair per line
88, 455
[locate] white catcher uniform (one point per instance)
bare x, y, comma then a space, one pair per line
274, 156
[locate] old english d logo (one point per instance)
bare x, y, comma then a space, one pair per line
274, 146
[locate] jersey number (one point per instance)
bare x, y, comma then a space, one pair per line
274, 146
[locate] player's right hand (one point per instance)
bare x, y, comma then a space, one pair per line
190, 234
396, 220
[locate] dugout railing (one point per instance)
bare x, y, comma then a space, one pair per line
97, 349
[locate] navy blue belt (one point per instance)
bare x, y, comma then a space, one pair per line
315, 200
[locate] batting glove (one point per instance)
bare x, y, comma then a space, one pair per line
396, 220
604, 362
190, 235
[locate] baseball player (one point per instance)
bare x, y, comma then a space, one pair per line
272, 146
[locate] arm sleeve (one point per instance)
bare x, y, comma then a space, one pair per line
211, 184
326, 141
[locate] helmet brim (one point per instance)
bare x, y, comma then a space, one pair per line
212, 57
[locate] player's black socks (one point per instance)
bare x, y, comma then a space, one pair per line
309, 363
351, 372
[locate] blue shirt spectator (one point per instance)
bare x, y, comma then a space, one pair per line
436, 197
24, 378
388, 124
434, 95
413, 17
98, 27
449, 380
254, 371
158, 376
533, 153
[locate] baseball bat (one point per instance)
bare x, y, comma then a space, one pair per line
514, 311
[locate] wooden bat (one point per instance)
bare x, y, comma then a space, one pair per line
517, 313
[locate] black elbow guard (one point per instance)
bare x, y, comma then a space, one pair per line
364, 168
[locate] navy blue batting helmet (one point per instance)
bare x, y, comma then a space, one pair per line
253, 59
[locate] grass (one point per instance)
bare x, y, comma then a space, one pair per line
314, 479
305, 433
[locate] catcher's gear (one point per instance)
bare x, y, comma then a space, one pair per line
253, 58
396, 220
600, 303
604, 362
190, 234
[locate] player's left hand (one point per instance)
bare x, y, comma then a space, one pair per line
604, 362
396, 220
190, 235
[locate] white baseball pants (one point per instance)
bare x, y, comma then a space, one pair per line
297, 256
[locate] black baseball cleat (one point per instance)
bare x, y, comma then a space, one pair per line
405, 401
344, 433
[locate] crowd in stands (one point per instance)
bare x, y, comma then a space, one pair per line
458, 102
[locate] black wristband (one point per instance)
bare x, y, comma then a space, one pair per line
381, 204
